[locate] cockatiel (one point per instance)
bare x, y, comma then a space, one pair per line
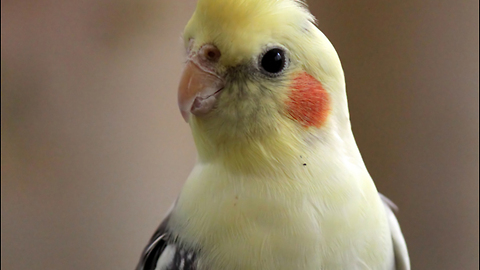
279, 183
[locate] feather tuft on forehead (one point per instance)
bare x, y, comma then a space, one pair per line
239, 28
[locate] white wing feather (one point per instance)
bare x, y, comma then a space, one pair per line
402, 260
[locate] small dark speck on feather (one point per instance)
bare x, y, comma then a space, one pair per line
304, 164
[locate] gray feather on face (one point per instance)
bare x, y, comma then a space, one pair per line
247, 105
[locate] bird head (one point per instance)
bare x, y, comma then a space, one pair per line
261, 82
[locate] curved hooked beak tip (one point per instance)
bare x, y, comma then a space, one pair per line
198, 90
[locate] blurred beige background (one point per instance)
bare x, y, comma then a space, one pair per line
94, 149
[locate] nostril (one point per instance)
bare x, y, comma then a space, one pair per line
210, 52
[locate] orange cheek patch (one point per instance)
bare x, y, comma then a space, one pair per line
309, 102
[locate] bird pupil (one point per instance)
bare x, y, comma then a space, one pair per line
273, 61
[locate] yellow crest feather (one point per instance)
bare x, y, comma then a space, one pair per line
239, 28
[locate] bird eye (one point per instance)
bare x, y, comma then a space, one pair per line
273, 61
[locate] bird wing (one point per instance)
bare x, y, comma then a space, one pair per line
402, 261
164, 252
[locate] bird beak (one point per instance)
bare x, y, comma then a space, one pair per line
198, 89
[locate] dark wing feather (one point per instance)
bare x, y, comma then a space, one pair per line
155, 247
165, 253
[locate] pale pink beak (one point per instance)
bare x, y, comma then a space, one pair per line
200, 85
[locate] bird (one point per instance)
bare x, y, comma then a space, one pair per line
279, 182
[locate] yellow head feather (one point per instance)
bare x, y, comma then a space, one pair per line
240, 28
256, 126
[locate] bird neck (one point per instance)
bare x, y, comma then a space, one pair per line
284, 147
259, 153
